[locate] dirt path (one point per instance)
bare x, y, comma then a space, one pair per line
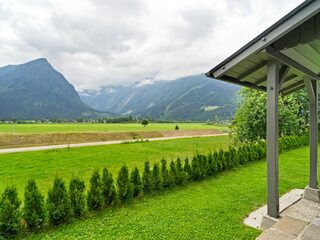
74, 145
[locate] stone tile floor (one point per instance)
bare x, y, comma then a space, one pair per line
299, 221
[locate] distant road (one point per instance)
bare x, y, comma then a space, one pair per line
88, 144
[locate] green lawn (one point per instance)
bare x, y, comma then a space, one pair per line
110, 127
17, 168
212, 209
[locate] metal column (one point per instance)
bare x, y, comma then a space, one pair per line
313, 134
272, 137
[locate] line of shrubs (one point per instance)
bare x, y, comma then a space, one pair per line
62, 205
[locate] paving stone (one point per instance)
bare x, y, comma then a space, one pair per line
316, 222
304, 210
290, 225
275, 234
311, 232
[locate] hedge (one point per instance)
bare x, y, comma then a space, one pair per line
63, 204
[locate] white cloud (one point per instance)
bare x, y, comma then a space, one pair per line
101, 42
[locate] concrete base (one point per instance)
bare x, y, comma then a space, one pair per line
267, 221
312, 194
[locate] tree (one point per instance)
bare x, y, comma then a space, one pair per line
167, 181
181, 174
9, 212
135, 179
147, 178
108, 189
77, 196
95, 199
125, 189
58, 203
250, 118
176, 128
144, 122
33, 212
156, 180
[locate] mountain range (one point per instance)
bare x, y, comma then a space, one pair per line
194, 98
35, 90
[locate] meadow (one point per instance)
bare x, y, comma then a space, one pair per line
43, 166
211, 209
108, 127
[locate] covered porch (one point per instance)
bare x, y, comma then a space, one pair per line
283, 59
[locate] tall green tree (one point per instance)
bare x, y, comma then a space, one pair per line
33, 211
250, 119
9, 212
58, 203
125, 189
77, 196
95, 198
108, 188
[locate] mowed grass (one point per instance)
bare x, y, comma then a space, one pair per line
109, 127
43, 166
212, 209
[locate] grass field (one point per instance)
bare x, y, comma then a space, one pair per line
17, 168
110, 127
212, 209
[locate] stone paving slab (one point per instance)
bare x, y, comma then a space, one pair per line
275, 234
311, 232
300, 221
255, 218
290, 225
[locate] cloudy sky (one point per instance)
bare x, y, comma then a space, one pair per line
102, 42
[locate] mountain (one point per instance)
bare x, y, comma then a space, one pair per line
194, 98
35, 90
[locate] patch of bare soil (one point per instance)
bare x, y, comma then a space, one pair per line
44, 139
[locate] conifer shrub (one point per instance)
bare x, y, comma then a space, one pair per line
173, 173
58, 203
136, 182
33, 212
181, 174
187, 169
147, 183
94, 197
196, 174
77, 196
167, 181
125, 189
9, 212
220, 160
156, 179
108, 189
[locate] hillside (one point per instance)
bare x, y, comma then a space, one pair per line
35, 90
190, 98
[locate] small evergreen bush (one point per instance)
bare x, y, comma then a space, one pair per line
9, 212
77, 196
187, 169
181, 174
136, 182
108, 189
33, 212
125, 190
58, 203
167, 181
173, 173
147, 178
95, 198
157, 185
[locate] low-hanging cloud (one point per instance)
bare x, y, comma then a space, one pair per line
110, 42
